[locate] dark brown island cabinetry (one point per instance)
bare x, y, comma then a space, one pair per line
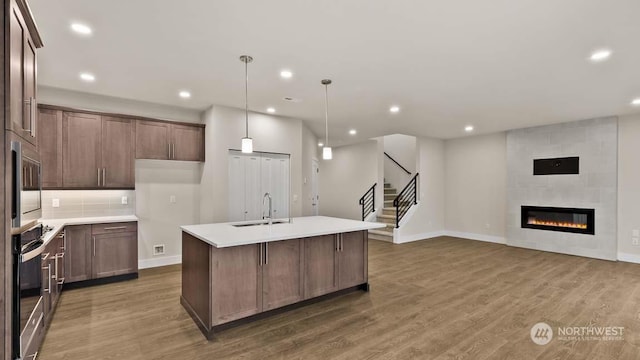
169, 141
101, 251
222, 287
23, 40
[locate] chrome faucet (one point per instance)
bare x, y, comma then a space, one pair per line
267, 195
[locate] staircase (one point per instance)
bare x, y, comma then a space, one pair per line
388, 216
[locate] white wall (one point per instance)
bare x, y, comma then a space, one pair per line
309, 152
86, 101
476, 178
427, 219
159, 220
225, 127
403, 149
345, 178
628, 186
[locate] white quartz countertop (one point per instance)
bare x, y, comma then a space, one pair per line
223, 235
59, 224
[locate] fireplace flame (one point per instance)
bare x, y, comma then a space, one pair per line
557, 224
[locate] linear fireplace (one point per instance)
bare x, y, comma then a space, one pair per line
559, 219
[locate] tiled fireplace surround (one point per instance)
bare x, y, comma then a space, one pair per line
595, 187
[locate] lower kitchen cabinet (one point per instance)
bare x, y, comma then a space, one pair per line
320, 265
101, 250
282, 273
352, 259
53, 268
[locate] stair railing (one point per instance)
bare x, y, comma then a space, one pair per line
406, 199
397, 163
368, 201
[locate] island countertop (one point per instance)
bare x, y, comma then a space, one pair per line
221, 235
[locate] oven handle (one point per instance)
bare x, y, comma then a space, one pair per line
32, 254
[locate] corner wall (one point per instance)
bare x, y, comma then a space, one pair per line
345, 178
476, 178
628, 188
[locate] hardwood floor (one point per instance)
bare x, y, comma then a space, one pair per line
443, 298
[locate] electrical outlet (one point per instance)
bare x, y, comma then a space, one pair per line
124, 200
172, 199
634, 241
55, 203
158, 249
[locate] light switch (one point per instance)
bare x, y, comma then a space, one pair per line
124, 200
295, 197
172, 199
55, 203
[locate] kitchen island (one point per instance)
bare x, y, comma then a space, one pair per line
233, 273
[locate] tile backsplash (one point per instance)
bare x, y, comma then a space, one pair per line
87, 203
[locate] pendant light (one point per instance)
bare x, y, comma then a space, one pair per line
326, 150
247, 142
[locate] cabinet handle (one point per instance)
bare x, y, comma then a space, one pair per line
94, 246
49, 271
33, 357
55, 275
60, 280
98, 177
45, 256
115, 228
169, 151
32, 109
104, 176
64, 242
260, 254
266, 253
173, 151
30, 177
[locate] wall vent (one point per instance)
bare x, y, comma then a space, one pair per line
158, 250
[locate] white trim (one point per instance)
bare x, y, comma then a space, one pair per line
630, 258
479, 237
398, 239
162, 261
372, 216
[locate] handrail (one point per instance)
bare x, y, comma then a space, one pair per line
397, 163
368, 201
406, 198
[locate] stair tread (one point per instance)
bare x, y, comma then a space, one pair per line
386, 216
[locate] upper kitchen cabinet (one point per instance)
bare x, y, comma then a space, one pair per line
97, 151
81, 150
50, 147
168, 141
118, 152
23, 40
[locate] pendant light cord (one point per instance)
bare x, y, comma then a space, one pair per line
246, 97
326, 114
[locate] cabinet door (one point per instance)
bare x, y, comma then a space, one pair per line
115, 254
78, 254
152, 140
50, 147
118, 152
47, 282
236, 283
320, 266
81, 150
282, 274
187, 142
30, 113
352, 263
17, 37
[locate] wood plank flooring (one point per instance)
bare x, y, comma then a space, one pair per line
444, 298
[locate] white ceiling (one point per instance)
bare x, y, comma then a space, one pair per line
494, 64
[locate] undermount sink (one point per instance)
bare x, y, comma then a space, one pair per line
260, 223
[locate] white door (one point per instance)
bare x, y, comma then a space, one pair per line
315, 172
280, 186
236, 187
253, 184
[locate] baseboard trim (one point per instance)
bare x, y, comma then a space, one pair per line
397, 239
479, 237
463, 235
630, 258
163, 261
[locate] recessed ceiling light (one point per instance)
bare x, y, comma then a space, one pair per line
286, 74
635, 102
468, 128
184, 94
352, 132
81, 29
87, 77
320, 144
271, 110
600, 55
394, 109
